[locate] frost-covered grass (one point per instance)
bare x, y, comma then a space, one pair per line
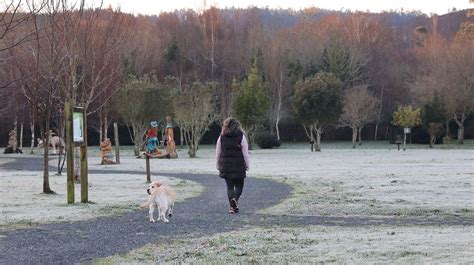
312, 244
468, 145
22, 203
416, 182
374, 180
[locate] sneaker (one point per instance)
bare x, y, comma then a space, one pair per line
233, 205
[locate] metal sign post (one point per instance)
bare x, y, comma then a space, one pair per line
405, 132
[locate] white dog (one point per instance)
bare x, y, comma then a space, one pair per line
162, 197
54, 142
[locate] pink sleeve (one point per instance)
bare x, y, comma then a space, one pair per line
218, 152
245, 152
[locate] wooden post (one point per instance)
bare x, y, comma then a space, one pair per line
69, 150
84, 169
148, 173
117, 144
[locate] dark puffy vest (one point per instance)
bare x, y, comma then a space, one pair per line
231, 159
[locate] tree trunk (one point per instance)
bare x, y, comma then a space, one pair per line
404, 140
46, 137
447, 127
101, 129
280, 88
21, 136
194, 137
310, 135
189, 141
136, 137
319, 132
460, 123
376, 130
277, 129
15, 146
432, 140
252, 136
32, 127
106, 128
192, 150
360, 135
379, 116
461, 134
213, 48
354, 137
136, 150
117, 144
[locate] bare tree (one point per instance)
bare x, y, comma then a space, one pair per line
195, 109
445, 70
13, 17
276, 59
360, 108
461, 80
141, 101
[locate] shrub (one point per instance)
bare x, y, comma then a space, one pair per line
267, 140
447, 140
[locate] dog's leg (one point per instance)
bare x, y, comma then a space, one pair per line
151, 212
163, 211
54, 148
159, 213
170, 210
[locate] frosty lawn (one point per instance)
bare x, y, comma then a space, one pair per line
313, 244
374, 181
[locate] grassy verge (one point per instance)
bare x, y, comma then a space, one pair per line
312, 244
54, 209
336, 198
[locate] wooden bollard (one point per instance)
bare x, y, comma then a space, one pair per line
148, 173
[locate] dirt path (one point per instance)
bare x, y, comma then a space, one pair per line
61, 243
65, 243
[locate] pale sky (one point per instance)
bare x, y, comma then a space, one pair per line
150, 7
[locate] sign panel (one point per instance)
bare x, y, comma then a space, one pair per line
407, 130
78, 126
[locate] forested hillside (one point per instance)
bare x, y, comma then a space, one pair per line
51, 53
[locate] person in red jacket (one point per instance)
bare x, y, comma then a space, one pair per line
152, 139
232, 156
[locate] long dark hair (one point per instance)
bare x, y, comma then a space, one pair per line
231, 126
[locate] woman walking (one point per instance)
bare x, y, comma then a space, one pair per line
232, 155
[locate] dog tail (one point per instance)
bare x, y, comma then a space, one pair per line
147, 203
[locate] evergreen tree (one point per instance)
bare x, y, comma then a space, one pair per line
318, 103
251, 103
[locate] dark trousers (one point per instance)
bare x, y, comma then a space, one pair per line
234, 187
